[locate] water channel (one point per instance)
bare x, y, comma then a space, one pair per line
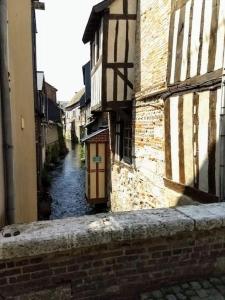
68, 186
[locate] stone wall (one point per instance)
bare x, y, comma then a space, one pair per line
151, 46
140, 185
112, 256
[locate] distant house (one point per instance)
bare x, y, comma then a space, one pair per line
53, 115
40, 124
73, 117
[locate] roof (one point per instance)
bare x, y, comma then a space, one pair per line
51, 86
76, 99
94, 134
40, 80
94, 19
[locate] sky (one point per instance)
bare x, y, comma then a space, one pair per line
60, 50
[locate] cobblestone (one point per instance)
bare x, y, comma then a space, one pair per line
211, 289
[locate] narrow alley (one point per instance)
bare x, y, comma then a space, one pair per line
67, 189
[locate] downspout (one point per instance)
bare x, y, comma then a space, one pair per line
222, 136
6, 116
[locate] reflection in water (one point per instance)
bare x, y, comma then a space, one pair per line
68, 188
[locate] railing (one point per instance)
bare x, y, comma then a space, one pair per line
113, 256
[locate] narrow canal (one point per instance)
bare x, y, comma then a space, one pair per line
68, 186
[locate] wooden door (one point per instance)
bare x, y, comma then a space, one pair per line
96, 171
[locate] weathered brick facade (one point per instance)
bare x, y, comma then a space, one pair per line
140, 185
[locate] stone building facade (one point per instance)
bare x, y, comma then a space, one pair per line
164, 102
176, 112
140, 184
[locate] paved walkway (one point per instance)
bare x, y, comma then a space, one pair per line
211, 289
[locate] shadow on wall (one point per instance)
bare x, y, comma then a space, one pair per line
152, 135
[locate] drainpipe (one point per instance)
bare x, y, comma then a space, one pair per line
222, 136
6, 116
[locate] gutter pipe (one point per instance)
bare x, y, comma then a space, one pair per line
6, 116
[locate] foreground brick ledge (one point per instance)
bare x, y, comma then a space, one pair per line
74, 233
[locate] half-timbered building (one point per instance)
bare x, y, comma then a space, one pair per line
193, 103
162, 89
111, 31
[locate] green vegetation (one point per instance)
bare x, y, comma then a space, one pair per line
82, 152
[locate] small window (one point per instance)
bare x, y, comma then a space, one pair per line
127, 142
123, 145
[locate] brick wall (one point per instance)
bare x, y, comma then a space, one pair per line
134, 252
101, 137
151, 46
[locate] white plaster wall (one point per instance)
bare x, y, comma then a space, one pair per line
96, 87
111, 40
174, 133
195, 34
132, 6
206, 36
185, 41
2, 189
188, 136
218, 111
116, 7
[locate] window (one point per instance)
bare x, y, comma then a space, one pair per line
127, 142
123, 145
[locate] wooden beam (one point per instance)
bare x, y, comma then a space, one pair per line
191, 192
181, 140
189, 41
170, 47
123, 77
105, 57
119, 65
115, 84
122, 17
167, 139
213, 35
201, 38
179, 4
198, 80
195, 140
212, 143
179, 50
97, 65
117, 105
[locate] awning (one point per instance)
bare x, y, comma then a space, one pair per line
88, 137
